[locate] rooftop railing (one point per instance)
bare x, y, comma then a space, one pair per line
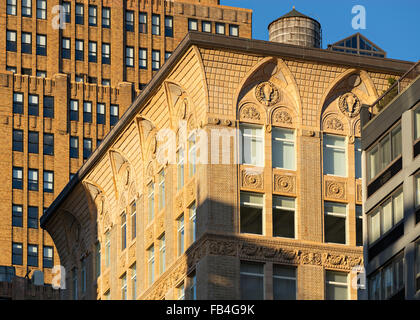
395, 89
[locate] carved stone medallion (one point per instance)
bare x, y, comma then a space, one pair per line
283, 183
335, 190
267, 94
349, 104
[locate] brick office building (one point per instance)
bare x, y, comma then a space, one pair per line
284, 221
63, 86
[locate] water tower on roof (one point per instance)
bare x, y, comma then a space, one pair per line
296, 28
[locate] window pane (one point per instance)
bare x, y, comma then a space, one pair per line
252, 281
335, 155
252, 145
283, 149
284, 283
396, 142
386, 216
335, 222
398, 207
374, 226
251, 213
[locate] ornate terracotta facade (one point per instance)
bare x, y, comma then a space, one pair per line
211, 88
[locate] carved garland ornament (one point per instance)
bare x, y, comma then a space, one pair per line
334, 123
282, 117
349, 105
267, 94
250, 112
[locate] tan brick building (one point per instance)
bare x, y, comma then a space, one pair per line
64, 84
281, 222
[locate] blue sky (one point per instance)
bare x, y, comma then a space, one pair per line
392, 25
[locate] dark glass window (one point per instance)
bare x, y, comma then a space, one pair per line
17, 140
220, 28
17, 215
11, 41
27, 71
41, 45
11, 7
206, 26
92, 51
18, 102
48, 144
192, 25
33, 179
156, 24
41, 9
17, 179
26, 8
67, 11
169, 26
79, 13
26, 42
129, 57
129, 20
92, 16
155, 60
251, 213
74, 110
33, 139
233, 30
48, 257
100, 113
74, 147
33, 217
143, 22
106, 17
87, 112
79, 50
106, 53
87, 147
113, 114
48, 181
17, 252
33, 255
65, 50
33, 105
48, 107
283, 217
142, 58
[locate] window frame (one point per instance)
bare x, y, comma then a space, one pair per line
156, 26
41, 49
257, 139
100, 113
17, 183
11, 7
333, 148
49, 104
93, 51
47, 261
93, 14
79, 17
48, 144
33, 217
282, 208
17, 215
26, 47
32, 255
388, 135
344, 216
180, 234
129, 57
255, 206
106, 53
11, 45
143, 24
48, 185
87, 151
106, 17
129, 20
17, 141
190, 22
334, 283
26, 7
281, 142
33, 142
378, 209
169, 26
17, 257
